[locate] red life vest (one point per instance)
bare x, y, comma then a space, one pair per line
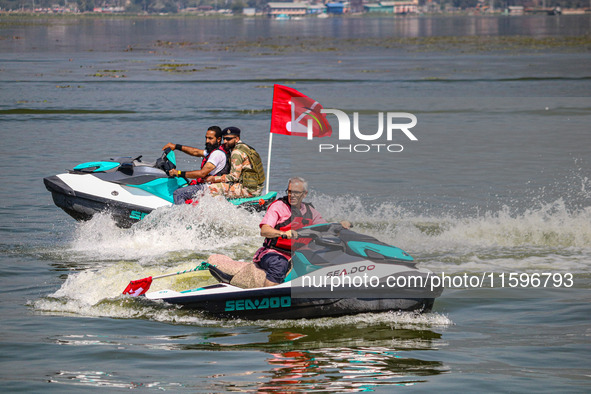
226, 168
295, 222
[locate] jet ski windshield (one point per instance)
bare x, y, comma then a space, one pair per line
167, 161
331, 240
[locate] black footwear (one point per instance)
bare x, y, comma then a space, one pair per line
220, 275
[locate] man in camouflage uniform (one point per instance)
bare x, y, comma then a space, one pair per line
246, 177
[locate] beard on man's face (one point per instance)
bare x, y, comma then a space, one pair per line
211, 147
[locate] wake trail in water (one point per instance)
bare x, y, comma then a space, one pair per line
547, 237
548, 234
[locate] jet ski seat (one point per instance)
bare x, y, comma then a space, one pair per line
126, 168
139, 163
246, 275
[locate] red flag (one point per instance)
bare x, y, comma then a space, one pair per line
138, 287
293, 111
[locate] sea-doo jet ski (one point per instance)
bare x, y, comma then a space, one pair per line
126, 187
334, 256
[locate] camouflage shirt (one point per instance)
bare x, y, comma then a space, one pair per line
228, 184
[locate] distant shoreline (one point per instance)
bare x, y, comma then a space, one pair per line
123, 15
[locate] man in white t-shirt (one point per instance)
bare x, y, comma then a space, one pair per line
215, 162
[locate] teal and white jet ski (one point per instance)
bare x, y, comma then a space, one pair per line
338, 272
127, 188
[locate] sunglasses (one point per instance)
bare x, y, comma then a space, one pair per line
229, 138
295, 194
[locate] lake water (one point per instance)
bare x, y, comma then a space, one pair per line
498, 182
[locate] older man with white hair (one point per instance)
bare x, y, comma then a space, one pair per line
279, 227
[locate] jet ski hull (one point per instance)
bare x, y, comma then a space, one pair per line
277, 302
338, 272
83, 206
127, 188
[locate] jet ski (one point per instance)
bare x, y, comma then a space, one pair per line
333, 256
127, 188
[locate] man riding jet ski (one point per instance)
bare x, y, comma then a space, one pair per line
127, 188
279, 227
338, 272
216, 161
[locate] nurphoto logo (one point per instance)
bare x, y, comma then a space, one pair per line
316, 125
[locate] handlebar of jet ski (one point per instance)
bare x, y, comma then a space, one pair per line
319, 231
329, 237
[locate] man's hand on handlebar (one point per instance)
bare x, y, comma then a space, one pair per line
291, 234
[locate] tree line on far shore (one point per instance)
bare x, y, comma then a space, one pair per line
237, 6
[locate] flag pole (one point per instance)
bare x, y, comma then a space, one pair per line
270, 145
268, 163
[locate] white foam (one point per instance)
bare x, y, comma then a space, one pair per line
212, 225
545, 238
395, 320
549, 236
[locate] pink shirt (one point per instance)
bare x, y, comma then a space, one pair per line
277, 213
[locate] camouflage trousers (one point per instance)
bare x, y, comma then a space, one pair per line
233, 190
